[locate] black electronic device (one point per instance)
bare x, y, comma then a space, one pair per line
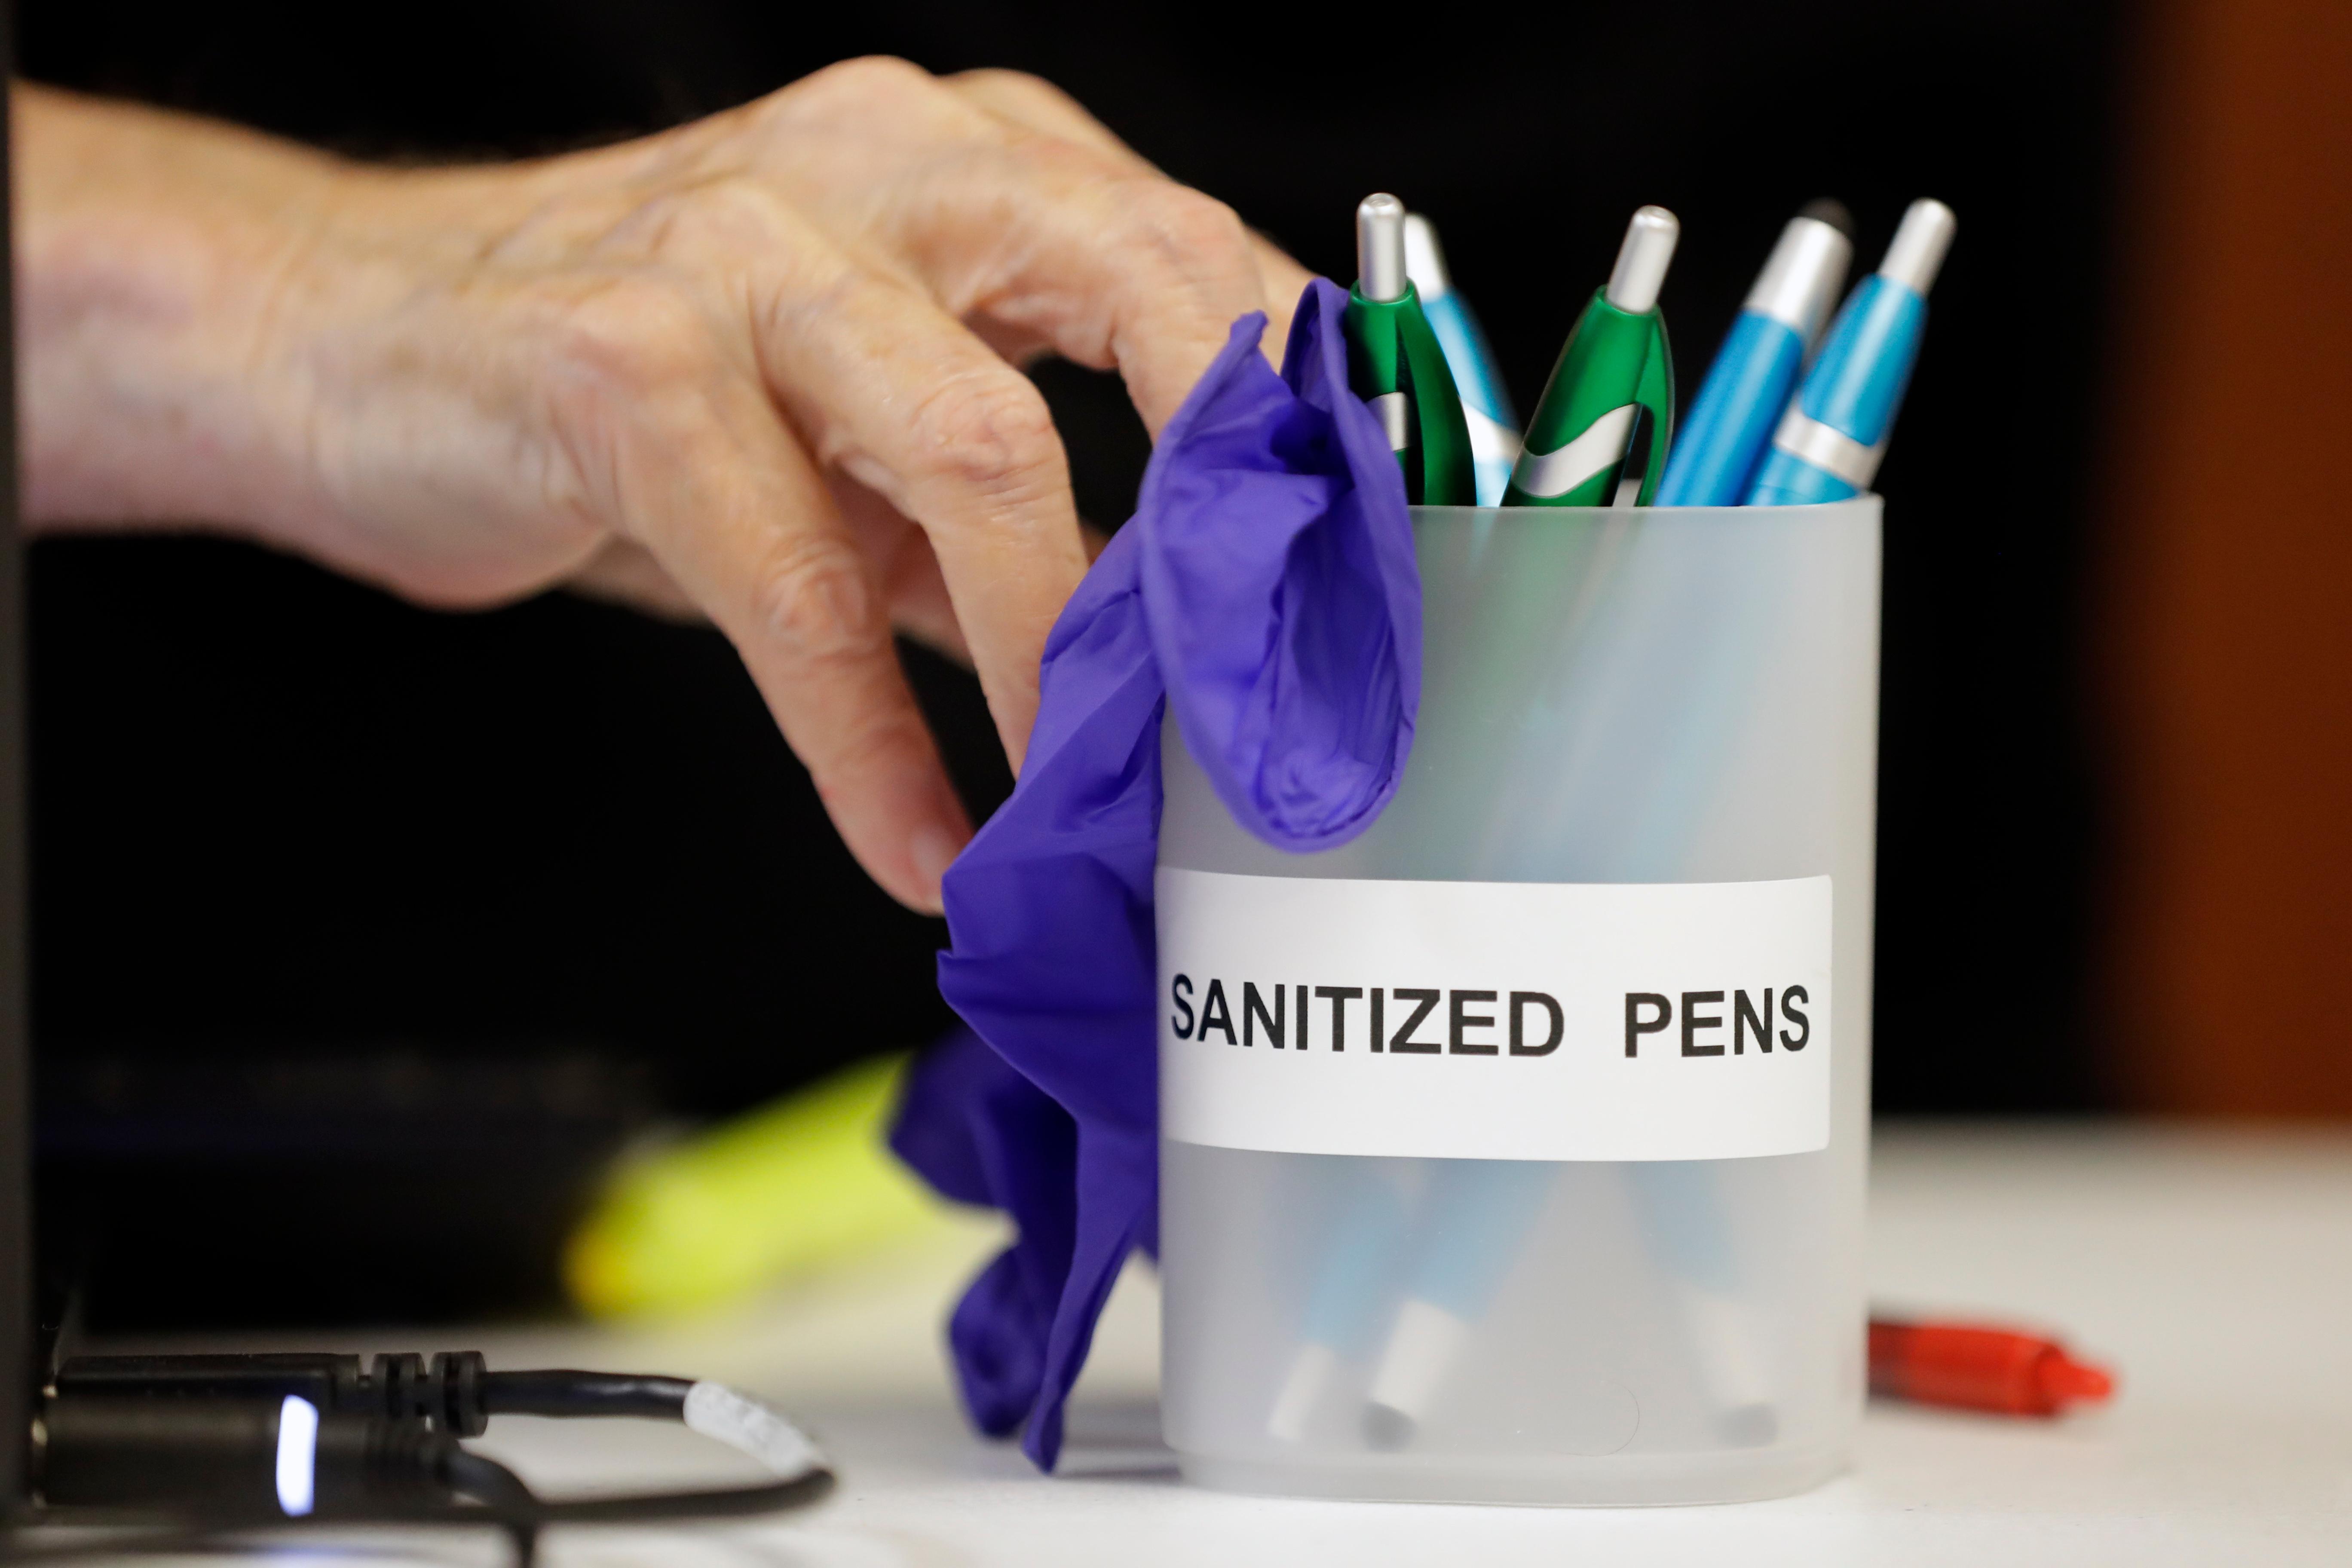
187, 1447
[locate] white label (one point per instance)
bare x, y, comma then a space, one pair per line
1516, 1020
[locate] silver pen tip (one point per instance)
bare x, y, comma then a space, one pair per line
1800, 280
1830, 211
1379, 248
1643, 259
1917, 253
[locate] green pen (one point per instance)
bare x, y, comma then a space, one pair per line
1398, 367
1613, 368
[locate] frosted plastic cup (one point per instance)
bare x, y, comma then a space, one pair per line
1587, 1227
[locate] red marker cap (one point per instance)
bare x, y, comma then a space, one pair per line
1979, 1369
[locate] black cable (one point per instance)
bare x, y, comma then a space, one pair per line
182, 1437
726, 1502
502, 1492
455, 1391
558, 1391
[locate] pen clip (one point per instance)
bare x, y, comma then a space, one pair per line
1393, 352
1447, 474
1654, 395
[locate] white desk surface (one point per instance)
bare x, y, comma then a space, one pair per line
2213, 1270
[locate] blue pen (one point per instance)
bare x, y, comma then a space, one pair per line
1475, 1218
1416, 1281
1354, 1286
1724, 436
1494, 427
1829, 444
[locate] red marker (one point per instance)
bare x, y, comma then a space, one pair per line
1979, 1369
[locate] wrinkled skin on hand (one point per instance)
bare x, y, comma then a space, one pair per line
762, 368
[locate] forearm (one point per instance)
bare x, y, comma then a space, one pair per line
152, 249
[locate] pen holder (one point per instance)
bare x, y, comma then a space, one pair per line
1514, 1151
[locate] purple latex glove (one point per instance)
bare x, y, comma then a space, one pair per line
981, 1134
1267, 587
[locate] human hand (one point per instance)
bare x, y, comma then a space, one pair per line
765, 361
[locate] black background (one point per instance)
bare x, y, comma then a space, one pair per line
280, 814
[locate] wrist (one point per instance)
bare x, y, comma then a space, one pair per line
154, 253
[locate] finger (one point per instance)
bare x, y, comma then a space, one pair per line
1112, 269
1110, 264
685, 450
1284, 282
1035, 104
911, 406
901, 554
625, 572
894, 393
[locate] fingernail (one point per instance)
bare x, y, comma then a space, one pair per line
932, 850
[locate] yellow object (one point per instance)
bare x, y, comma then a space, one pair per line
786, 1189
